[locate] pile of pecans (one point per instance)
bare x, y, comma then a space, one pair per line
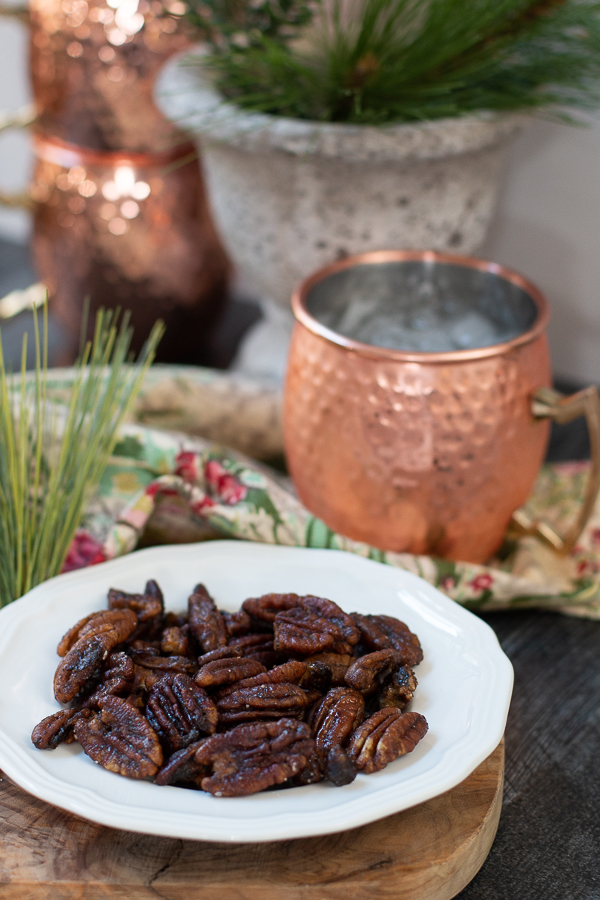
288, 691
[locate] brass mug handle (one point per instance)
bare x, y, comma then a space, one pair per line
549, 404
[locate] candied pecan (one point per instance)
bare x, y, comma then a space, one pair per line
258, 647
72, 635
163, 664
288, 673
220, 653
119, 623
303, 632
314, 625
310, 774
253, 757
330, 610
220, 672
57, 729
368, 672
339, 768
180, 712
337, 715
146, 606
144, 679
262, 610
264, 701
84, 659
120, 739
385, 632
252, 643
385, 736
337, 663
117, 678
237, 623
175, 640
399, 690
205, 620
181, 767
151, 647
317, 676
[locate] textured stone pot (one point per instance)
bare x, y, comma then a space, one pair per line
290, 196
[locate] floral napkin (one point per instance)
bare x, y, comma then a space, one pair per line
165, 487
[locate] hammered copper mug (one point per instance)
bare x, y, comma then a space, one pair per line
427, 450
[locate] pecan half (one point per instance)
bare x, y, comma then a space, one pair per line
368, 672
290, 672
339, 768
330, 610
123, 623
85, 658
180, 712
57, 729
264, 701
118, 678
303, 632
399, 690
336, 717
262, 610
253, 757
220, 653
72, 635
385, 736
175, 640
205, 620
385, 632
312, 772
220, 672
337, 663
146, 606
317, 677
257, 646
163, 664
120, 739
313, 626
181, 767
237, 623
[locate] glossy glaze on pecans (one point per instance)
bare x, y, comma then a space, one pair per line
290, 690
253, 757
385, 736
206, 622
180, 712
340, 711
120, 739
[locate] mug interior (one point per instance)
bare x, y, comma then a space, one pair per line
421, 306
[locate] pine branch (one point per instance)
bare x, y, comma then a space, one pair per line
378, 61
51, 456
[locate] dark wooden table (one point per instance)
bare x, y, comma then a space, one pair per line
548, 843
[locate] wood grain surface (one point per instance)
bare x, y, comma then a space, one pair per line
429, 852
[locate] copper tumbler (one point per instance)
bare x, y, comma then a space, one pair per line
432, 448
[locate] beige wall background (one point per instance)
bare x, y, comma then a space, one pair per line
547, 224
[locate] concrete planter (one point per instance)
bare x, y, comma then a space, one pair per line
290, 196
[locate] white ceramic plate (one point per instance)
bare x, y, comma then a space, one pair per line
465, 684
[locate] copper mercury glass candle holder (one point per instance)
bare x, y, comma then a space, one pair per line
130, 230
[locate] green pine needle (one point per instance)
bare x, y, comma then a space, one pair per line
381, 61
52, 456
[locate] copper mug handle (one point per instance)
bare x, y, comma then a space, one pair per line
21, 118
549, 404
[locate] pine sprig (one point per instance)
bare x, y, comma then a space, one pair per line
52, 456
380, 61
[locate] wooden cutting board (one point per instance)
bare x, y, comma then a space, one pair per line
429, 852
